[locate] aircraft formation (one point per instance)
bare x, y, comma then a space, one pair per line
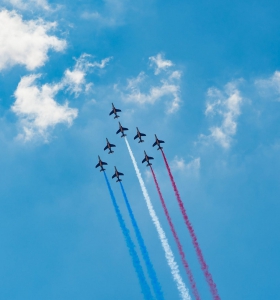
170, 259
122, 130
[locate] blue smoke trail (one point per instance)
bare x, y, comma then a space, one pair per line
135, 259
150, 268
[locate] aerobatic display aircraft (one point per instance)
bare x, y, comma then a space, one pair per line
139, 135
121, 129
100, 164
114, 111
109, 146
117, 174
158, 142
147, 159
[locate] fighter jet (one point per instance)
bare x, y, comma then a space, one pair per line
139, 135
158, 142
121, 129
100, 164
147, 158
117, 174
109, 146
114, 111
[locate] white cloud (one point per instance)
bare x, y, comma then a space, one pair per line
75, 79
179, 164
160, 63
168, 87
270, 86
225, 104
112, 14
26, 42
29, 4
37, 109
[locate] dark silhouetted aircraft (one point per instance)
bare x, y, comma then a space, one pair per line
139, 135
114, 111
117, 174
147, 159
158, 142
121, 129
100, 164
109, 146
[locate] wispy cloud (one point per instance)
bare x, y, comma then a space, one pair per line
29, 4
35, 104
26, 42
269, 87
225, 104
192, 167
111, 15
159, 63
168, 85
75, 79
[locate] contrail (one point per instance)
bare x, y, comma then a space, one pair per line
164, 242
131, 247
180, 248
150, 268
203, 264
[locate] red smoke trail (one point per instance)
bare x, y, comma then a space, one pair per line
182, 254
203, 264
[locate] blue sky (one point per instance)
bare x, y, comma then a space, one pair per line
204, 77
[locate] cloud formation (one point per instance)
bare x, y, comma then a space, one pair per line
160, 63
270, 86
168, 87
179, 164
75, 79
225, 104
35, 104
26, 42
29, 4
112, 14
37, 109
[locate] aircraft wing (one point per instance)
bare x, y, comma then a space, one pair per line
161, 141
112, 145
111, 112
120, 173
114, 175
106, 147
104, 163
142, 134
125, 128
118, 131
97, 165
118, 110
154, 143
144, 160
149, 157
136, 136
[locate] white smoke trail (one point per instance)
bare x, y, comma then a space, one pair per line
164, 242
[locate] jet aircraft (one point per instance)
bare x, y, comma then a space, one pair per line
147, 159
114, 111
121, 129
100, 164
158, 142
109, 146
139, 135
117, 174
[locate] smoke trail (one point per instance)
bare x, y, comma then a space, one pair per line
180, 248
135, 259
164, 242
203, 264
150, 268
